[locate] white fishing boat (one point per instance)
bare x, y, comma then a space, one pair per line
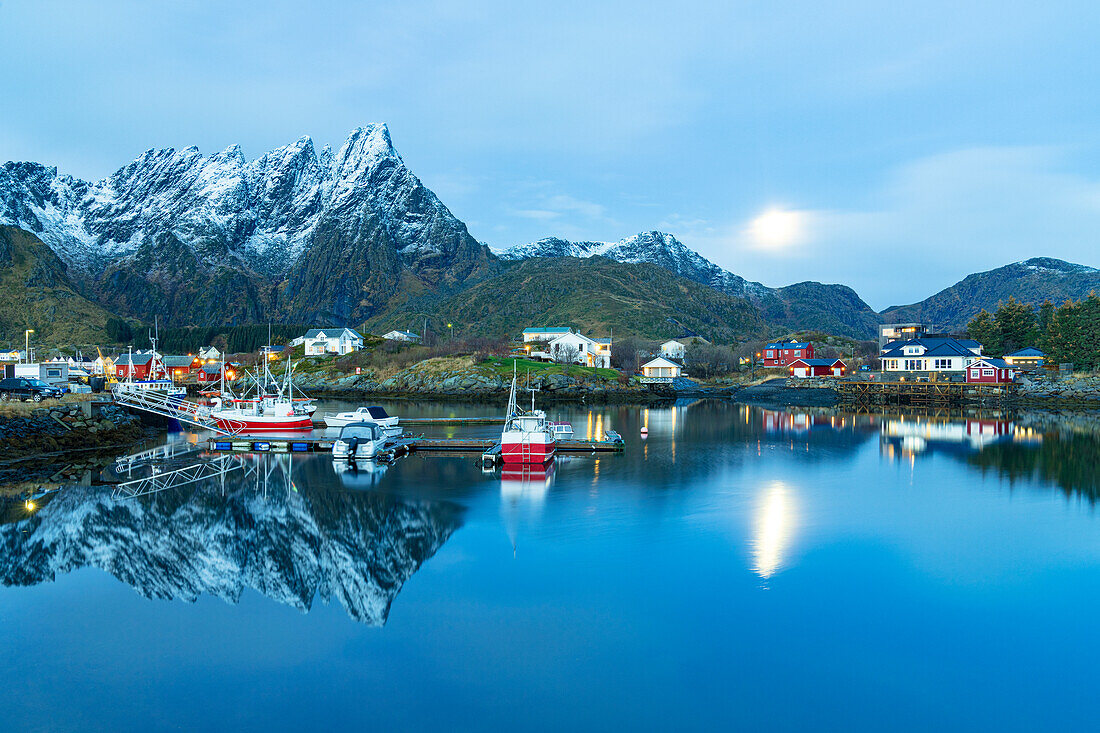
157, 382
359, 440
390, 424
527, 437
271, 407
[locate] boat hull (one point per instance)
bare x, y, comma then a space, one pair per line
254, 424
530, 453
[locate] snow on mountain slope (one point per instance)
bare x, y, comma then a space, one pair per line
292, 546
653, 247
804, 306
259, 214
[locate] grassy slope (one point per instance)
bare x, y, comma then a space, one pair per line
592, 295
35, 292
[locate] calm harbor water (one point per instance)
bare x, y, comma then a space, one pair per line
739, 568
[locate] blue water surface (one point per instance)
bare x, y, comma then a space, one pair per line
739, 568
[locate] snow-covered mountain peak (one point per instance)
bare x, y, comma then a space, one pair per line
653, 247
230, 211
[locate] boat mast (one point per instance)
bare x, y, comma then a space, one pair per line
512, 408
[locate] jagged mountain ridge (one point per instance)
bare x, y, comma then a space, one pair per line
296, 233
356, 547
802, 306
1030, 281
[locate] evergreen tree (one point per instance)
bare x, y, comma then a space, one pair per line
983, 329
1015, 327
1046, 313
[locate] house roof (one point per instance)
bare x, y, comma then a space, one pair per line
817, 362
554, 329
212, 368
996, 363
662, 361
602, 341
788, 345
932, 346
1027, 351
406, 334
671, 341
177, 361
125, 359
580, 336
333, 332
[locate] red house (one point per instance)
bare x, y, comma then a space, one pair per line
213, 373
782, 353
817, 368
135, 366
990, 370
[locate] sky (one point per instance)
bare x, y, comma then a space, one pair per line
894, 149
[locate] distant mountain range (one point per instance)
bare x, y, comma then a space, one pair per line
1031, 281
352, 237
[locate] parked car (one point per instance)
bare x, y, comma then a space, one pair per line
21, 388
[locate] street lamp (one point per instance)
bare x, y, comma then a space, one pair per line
27, 345
452, 327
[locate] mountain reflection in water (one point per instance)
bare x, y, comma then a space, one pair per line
291, 539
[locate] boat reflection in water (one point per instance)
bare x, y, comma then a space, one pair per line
774, 525
361, 473
264, 523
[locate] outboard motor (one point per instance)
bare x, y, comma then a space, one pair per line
353, 444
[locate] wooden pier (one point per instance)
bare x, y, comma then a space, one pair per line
922, 394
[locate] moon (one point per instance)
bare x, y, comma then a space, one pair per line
776, 228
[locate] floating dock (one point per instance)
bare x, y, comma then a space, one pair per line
400, 446
451, 421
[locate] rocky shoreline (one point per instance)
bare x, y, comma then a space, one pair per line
481, 385
66, 427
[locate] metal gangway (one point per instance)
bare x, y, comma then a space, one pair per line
164, 405
164, 480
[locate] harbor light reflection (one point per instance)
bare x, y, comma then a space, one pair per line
774, 525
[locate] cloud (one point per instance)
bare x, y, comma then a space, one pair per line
933, 221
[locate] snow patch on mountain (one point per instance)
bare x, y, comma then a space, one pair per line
259, 214
658, 248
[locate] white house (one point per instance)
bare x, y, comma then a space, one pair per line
661, 370
318, 341
210, 353
673, 350
544, 334
407, 336
579, 349
930, 355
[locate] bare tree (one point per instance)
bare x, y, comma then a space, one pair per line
566, 354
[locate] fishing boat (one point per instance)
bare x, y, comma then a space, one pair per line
527, 437
158, 382
271, 407
390, 424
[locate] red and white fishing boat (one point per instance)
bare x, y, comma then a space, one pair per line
272, 407
527, 436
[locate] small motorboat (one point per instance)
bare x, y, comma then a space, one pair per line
389, 423
612, 436
561, 430
359, 440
